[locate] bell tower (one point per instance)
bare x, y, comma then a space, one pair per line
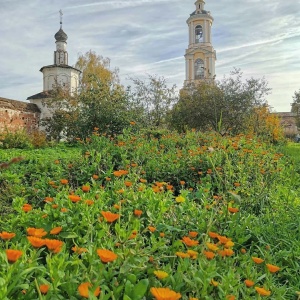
200, 56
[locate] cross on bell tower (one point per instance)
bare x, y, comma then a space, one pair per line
200, 56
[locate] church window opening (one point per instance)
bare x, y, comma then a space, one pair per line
199, 34
199, 69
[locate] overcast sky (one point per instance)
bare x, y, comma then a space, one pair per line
262, 38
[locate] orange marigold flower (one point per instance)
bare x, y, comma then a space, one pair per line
209, 254
257, 260
89, 202
83, 290
121, 191
27, 207
182, 254
64, 181
106, 255
54, 245
85, 188
214, 283
164, 294
138, 212
193, 234
243, 250
120, 173
213, 234
151, 228
13, 255
193, 254
262, 291
143, 180
228, 252
229, 244
223, 239
79, 250
187, 241
48, 199
7, 235
64, 209
56, 230
95, 177
161, 274
44, 288
212, 247
116, 206
182, 182
109, 217
230, 297
74, 198
55, 206
233, 209
128, 183
37, 232
36, 242
249, 283
162, 234
272, 268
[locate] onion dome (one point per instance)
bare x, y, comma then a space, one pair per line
61, 36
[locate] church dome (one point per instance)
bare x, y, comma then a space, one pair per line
61, 36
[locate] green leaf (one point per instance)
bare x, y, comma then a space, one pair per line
68, 235
125, 297
140, 289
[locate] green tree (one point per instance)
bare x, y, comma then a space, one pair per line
224, 106
153, 99
101, 101
296, 106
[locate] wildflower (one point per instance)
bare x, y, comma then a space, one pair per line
6, 235
74, 198
89, 202
228, 252
192, 254
180, 199
54, 245
120, 173
257, 260
164, 294
161, 274
55, 206
182, 182
249, 283
214, 283
151, 228
162, 234
79, 250
128, 183
187, 241
36, 242
262, 291
132, 123
85, 188
121, 191
44, 288
209, 254
109, 217
56, 161
138, 213
143, 180
83, 290
222, 239
182, 254
64, 209
106, 255
272, 268
107, 178
64, 181
95, 177
229, 244
243, 250
27, 207
13, 255
230, 297
56, 230
193, 234
48, 199
212, 247
37, 232
213, 234
233, 209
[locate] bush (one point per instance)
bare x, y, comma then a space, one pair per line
18, 139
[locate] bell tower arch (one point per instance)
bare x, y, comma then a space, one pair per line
200, 55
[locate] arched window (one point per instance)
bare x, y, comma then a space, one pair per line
199, 69
198, 34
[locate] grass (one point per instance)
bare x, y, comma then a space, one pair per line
196, 206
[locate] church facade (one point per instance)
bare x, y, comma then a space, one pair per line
16, 115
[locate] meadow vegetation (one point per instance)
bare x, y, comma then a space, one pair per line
144, 215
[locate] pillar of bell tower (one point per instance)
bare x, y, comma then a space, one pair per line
200, 56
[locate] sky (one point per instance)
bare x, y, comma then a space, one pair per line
262, 38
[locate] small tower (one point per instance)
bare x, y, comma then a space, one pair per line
200, 56
57, 74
